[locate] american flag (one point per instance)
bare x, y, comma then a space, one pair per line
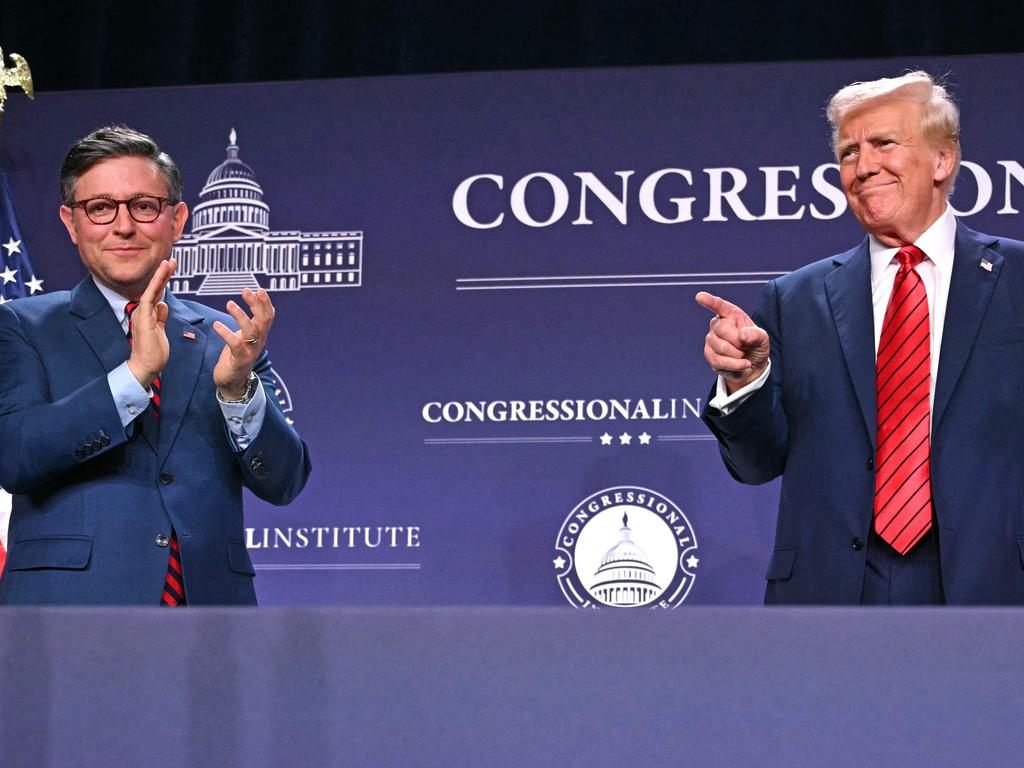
17, 279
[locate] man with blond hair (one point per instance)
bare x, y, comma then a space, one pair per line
884, 384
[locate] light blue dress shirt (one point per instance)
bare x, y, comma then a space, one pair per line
244, 420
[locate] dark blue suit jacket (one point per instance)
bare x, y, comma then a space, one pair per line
814, 423
89, 500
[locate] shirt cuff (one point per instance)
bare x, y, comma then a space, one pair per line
726, 403
129, 396
245, 420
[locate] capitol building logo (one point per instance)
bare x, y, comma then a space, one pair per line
626, 547
231, 247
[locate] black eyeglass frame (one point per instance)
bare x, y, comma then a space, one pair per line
162, 201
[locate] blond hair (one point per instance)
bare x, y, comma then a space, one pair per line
940, 118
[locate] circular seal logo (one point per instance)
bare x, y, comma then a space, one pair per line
626, 547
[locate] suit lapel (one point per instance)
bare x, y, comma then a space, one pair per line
970, 291
848, 288
98, 325
100, 329
188, 348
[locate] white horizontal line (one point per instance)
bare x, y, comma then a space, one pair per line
460, 440
605, 285
615, 277
685, 438
337, 567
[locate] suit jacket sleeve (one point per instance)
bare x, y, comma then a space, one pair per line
753, 438
42, 440
276, 464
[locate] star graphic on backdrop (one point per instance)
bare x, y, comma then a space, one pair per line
624, 438
13, 246
8, 275
3, 299
645, 439
559, 562
35, 284
606, 439
692, 561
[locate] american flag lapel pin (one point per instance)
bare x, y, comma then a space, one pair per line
986, 265
190, 335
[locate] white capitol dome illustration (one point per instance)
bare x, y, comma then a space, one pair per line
231, 247
231, 196
626, 577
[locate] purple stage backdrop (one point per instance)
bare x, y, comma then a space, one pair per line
486, 328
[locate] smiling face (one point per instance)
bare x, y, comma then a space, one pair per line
891, 173
124, 254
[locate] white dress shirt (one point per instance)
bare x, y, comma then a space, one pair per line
938, 243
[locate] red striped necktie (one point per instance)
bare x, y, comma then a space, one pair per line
174, 590
903, 493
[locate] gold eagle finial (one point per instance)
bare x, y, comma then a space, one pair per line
18, 76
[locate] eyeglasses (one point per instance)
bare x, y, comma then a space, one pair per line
103, 210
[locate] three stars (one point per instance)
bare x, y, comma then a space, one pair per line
626, 439
35, 285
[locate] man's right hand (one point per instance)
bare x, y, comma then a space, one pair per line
150, 349
735, 348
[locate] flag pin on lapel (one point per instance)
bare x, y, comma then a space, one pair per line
986, 265
192, 337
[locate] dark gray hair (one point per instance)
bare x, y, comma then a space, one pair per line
115, 141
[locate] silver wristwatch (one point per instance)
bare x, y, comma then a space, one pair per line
250, 391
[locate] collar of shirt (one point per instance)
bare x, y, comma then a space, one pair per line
936, 272
938, 243
116, 301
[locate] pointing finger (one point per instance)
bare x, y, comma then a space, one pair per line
718, 305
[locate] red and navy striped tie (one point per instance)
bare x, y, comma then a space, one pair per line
174, 589
903, 493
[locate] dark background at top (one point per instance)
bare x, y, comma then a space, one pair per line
101, 44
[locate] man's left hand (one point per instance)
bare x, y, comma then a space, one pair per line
242, 347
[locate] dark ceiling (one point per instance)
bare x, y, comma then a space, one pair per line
104, 44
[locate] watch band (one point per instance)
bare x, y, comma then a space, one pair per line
250, 391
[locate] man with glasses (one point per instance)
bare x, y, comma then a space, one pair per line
131, 420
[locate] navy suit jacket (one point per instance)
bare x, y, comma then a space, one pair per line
89, 500
814, 423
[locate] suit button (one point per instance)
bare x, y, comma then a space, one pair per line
166, 479
162, 540
259, 466
79, 454
96, 445
88, 450
857, 543
104, 440
871, 463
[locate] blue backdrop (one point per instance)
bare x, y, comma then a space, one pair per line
486, 328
